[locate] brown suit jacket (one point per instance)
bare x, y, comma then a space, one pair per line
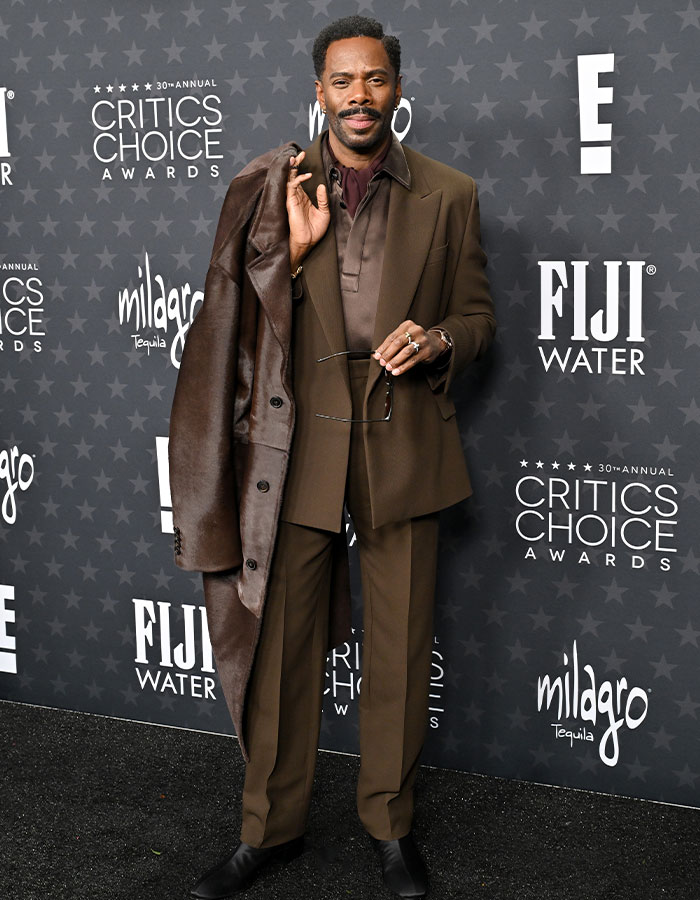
433, 274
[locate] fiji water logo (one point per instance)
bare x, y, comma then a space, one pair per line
578, 696
5, 167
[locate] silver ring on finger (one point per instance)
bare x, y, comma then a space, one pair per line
416, 346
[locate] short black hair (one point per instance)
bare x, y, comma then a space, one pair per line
354, 26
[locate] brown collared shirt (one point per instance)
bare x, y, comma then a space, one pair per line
360, 239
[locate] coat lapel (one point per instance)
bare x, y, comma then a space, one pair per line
269, 234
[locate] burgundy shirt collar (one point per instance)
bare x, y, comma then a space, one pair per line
354, 182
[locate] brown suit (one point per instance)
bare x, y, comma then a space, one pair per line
244, 447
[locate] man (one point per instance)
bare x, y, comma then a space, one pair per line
389, 302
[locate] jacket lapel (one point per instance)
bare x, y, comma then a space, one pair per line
320, 274
410, 225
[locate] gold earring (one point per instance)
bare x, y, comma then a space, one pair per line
323, 110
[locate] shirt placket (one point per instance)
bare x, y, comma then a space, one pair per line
352, 261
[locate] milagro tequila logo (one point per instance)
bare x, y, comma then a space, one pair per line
579, 698
317, 119
568, 315
152, 306
16, 473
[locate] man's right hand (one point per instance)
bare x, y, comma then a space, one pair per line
307, 223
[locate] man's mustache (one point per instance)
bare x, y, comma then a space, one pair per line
364, 111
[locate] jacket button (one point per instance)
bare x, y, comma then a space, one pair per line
263, 486
276, 402
251, 564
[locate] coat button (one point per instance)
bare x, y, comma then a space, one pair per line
263, 486
276, 402
251, 564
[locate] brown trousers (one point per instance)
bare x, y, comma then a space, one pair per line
284, 706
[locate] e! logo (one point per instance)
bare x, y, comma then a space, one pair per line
594, 160
8, 656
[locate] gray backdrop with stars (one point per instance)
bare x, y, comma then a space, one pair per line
493, 91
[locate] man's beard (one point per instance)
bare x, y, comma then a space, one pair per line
358, 142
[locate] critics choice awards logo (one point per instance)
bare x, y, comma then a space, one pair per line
344, 680
177, 129
578, 509
21, 308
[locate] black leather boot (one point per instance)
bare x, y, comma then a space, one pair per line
238, 870
403, 869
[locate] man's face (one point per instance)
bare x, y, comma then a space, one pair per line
359, 92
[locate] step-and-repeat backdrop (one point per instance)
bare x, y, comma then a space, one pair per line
567, 622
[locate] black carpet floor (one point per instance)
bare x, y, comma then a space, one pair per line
92, 807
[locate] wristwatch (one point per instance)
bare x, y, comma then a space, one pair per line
447, 340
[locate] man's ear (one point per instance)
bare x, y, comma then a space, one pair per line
320, 95
397, 92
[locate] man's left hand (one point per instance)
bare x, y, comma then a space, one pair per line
398, 354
